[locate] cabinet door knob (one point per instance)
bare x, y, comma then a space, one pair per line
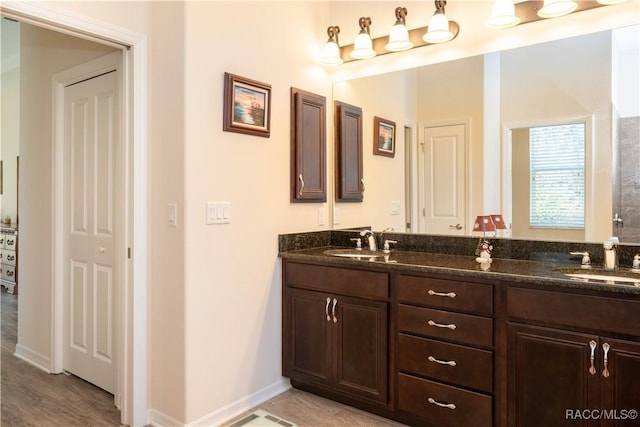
442, 362
592, 344
326, 309
333, 310
362, 182
442, 405
440, 325
301, 185
441, 294
605, 371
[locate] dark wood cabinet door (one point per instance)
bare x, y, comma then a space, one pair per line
307, 337
308, 147
361, 348
549, 376
621, 388
349, 168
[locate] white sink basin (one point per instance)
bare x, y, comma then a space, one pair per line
609, 279
353, 253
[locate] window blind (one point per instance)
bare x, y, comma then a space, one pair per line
557, 167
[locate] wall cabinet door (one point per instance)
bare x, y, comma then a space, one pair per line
549, 374
308, 147
349, 167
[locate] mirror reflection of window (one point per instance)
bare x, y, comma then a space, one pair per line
548, 192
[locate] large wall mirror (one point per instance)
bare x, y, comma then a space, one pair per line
468, 130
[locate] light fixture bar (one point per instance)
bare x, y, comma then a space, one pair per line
415, 36
527, 11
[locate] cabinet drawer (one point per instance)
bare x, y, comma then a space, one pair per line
343, 281
465, 408
8, 273
573, 310
7, 257
471, 367
10, 242
448, 294
463, 328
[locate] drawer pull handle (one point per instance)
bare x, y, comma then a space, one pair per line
326, 309
442, 294
333, 310
605, 371
301, 185
442, 405
592, 344
442, 362
440, 325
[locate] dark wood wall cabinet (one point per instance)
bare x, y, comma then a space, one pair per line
349, 168
440, 351
308, 147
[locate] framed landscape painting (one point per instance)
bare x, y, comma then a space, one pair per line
384, 137
247, 106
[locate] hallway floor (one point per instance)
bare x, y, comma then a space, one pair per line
31, 397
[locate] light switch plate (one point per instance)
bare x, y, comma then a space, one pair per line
321, 215
336, 216
395, 207
218, 213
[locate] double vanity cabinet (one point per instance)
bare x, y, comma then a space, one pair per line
443, 347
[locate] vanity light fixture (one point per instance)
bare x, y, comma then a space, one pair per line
503, 14
363, 46
610, 2
399, 35
438, 30
556, 8
331, 50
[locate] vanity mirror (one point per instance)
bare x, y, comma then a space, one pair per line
461, 126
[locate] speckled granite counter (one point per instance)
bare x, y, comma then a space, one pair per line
525, 271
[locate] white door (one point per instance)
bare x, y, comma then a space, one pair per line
444, 206
90, 152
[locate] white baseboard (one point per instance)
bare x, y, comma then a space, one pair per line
243, 405
36, 359
158, 419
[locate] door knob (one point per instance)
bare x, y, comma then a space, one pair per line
457, 226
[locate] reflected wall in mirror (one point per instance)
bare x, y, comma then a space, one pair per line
477, 103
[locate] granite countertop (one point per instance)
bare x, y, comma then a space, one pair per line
512, 270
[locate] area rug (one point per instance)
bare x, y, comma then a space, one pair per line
261, 418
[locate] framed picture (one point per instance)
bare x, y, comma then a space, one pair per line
247, 106
384, 137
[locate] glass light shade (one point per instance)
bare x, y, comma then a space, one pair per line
363, 47
610, 2
555, 8
438, 29
503, 15
331, 54
399, 39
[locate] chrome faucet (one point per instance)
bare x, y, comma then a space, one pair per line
610, 256
371, 238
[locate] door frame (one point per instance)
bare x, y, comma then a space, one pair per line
132, 375
422, 203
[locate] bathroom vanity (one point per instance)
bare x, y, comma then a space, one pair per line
431, 339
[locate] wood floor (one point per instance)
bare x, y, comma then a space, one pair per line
308, 410
31, 397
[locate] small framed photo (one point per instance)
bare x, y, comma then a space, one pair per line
384, 137
247, 106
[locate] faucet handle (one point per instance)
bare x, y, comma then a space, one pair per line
358, 242
636, 262
586, 259
385, 248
